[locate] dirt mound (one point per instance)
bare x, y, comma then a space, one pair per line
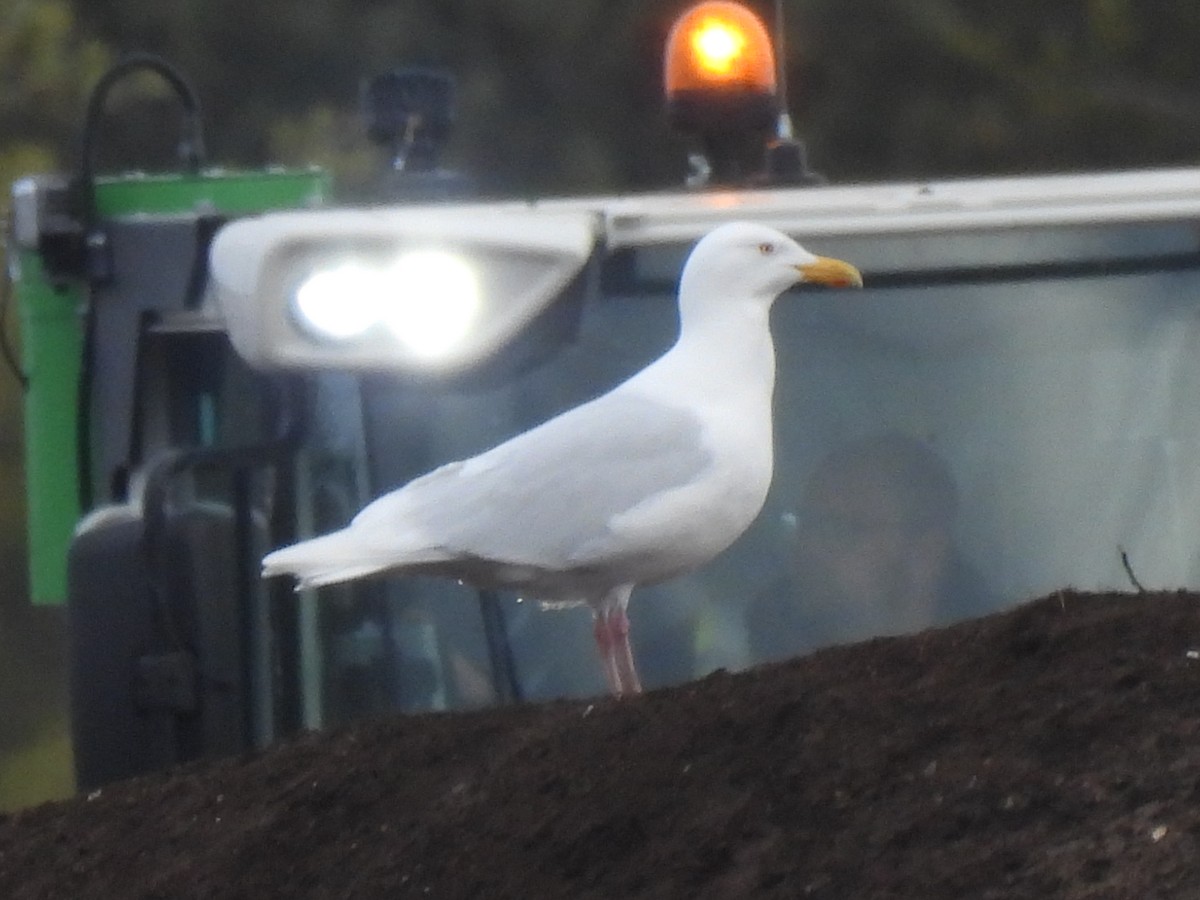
1052, 751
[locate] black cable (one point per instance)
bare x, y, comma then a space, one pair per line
191, 144
97, 266
6, 348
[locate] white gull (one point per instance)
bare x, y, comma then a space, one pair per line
646, 482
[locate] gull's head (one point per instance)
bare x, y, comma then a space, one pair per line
743, 259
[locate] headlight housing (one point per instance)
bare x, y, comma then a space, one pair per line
435, 289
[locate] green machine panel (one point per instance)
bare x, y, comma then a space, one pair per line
52, 330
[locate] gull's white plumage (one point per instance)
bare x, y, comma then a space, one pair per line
643, 483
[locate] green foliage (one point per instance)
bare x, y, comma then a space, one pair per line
550, 97
48, 69
953, 87
557, 97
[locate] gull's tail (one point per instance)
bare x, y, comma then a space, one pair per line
328, 559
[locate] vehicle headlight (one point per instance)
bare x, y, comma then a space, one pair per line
410, 288
428, 300
433, 301
340, 302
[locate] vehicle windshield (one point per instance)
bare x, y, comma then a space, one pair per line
996, 416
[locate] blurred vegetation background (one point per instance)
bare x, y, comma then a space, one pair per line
555, 97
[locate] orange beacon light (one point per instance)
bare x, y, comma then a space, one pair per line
719, 71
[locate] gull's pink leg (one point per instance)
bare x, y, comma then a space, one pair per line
605, 645
618, 625
612, 637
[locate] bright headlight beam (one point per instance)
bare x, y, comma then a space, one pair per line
427, 299
431, 289
340, 303
433, 299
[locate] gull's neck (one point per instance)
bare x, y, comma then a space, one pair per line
724, 353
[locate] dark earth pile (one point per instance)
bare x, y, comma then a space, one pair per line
1052, 751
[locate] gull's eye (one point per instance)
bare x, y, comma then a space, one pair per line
766, 249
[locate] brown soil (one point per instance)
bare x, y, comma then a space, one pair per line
1052, 751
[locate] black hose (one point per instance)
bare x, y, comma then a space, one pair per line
6, 348
97, 264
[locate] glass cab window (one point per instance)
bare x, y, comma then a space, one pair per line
997, 415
